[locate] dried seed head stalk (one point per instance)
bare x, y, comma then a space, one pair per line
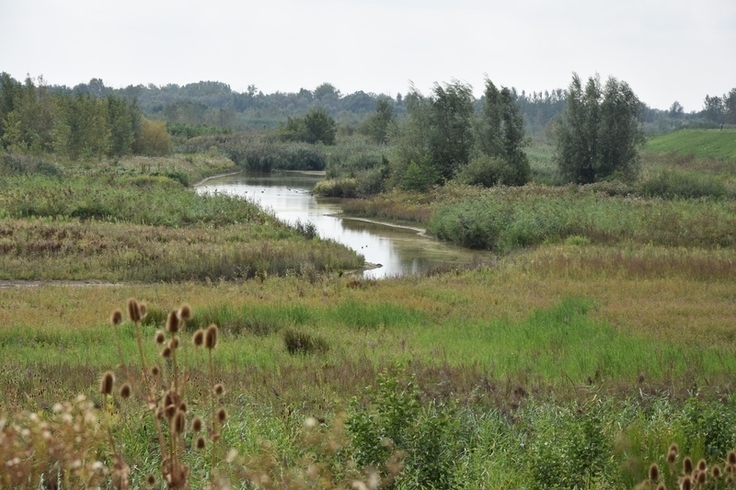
172, 322
653, 473
198, 338
687, 465
221, 415
125, 391
134, 311
116, 318
160, 337
210, 337
185, 312
107, 383
179, 422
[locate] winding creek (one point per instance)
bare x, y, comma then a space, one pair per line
398, 250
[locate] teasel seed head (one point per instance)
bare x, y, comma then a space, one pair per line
716, 471
155, 371
702, 476
219, 389
134, 311
702, 465
686, 483
185, 312
170, 398
179, 422
160, 337
183, 407
661, 487
125, 391
196, 424
201, 443
221, 415
170, 411
687, 465
143, 310
172, 322
729, 480
198, 338
210, 337
151, 480
107, 383
653, 473
174, 343
116, 318
672, 457
166, 353
731, 458
674, 449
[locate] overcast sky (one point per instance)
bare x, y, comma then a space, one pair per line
666, 50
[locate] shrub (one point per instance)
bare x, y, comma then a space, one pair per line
484, 171
419, 177
671, 184
394, 425
336, 188
300, 342
20, 164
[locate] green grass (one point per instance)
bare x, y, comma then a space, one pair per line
507, 219
704, 143
558, 398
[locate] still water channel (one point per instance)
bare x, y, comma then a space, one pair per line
398, 250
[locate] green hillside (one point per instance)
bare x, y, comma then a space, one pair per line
712, 143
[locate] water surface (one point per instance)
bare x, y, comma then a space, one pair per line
398, 250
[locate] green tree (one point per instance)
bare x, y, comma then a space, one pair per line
81, 130
154, 138
676, 110
316, 127
600, 132
729, 105
501, 137
377, 124
420, 176
713, 108
451, 124
10, 92
320, 127
121, 122
411, 137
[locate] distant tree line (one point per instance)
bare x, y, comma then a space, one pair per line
721, 110
216, 105
75, 124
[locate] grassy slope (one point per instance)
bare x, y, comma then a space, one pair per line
699, 142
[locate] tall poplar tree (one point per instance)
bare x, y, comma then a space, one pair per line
600, 133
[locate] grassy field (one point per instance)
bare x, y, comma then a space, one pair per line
703, 143
600, 334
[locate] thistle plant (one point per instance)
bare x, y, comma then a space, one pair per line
163, 387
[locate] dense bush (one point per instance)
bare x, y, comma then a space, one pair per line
21, 164
670, 184
506, 219
337, 188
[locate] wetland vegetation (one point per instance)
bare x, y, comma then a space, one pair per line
599, 334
